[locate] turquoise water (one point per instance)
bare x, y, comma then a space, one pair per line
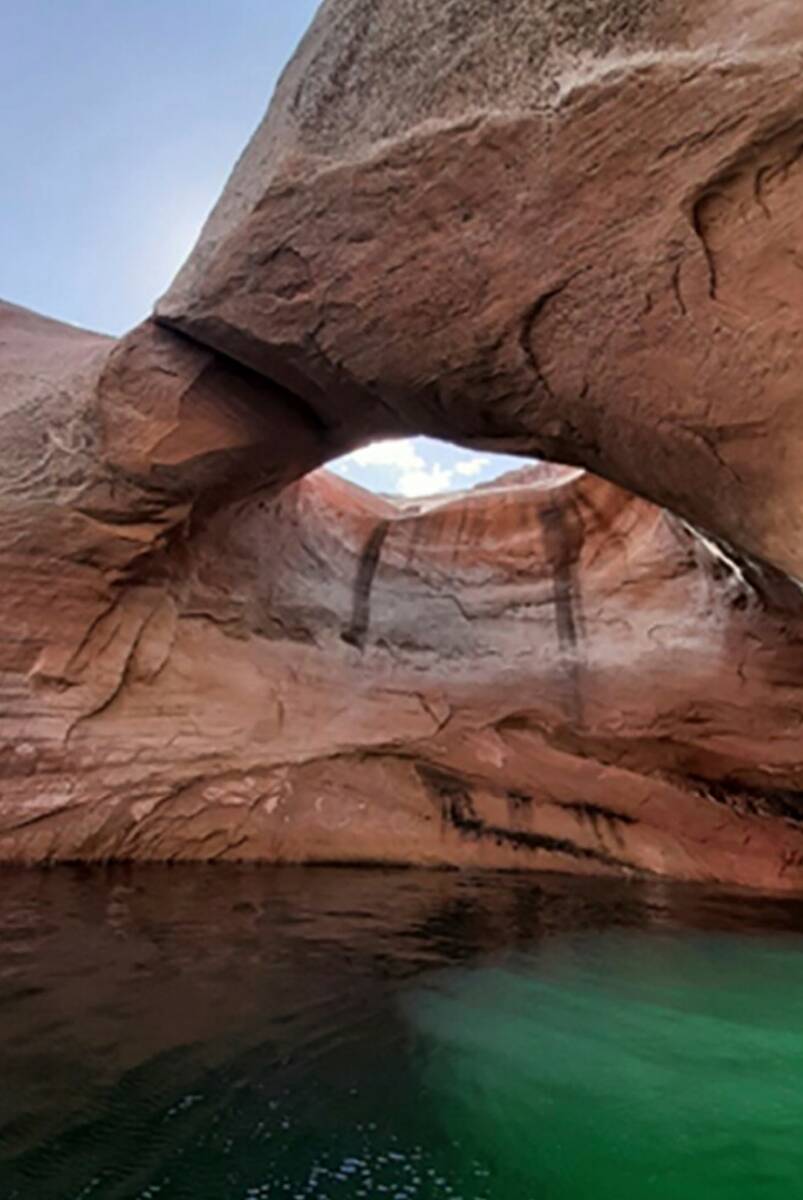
239, 1034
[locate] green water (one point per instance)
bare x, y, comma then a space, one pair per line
236, 1034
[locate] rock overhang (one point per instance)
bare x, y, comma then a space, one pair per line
214, 650
591, 263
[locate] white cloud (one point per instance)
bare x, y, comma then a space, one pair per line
399, 453
407, 472
425, 482
472, 466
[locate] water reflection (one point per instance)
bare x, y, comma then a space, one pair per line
232, 1032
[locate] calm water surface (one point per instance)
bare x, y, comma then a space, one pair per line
242, 1034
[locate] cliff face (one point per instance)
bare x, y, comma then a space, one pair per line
568, 230
547, 673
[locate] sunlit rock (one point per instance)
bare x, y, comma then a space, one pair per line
200, 663
566, 228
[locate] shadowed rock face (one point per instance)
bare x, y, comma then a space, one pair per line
570, 229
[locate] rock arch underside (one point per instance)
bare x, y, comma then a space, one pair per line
571, 229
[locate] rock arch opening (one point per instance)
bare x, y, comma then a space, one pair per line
421, 469
539, 673
212, 649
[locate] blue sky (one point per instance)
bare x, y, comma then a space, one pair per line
122, 120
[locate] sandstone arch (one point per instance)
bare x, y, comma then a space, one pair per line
575, 227
582, 245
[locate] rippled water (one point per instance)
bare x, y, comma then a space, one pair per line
216, 1033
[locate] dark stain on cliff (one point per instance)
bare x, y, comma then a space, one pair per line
518, 803
596, 812
519, 799
562, 531
519, 806
563, 540
361, 607
748, 799
454, 798
602, 820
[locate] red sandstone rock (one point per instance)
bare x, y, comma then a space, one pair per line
570, 229
545, 674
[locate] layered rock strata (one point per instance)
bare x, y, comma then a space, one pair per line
545, 673
565, 229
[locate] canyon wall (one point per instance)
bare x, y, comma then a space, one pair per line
567, 230
205, 659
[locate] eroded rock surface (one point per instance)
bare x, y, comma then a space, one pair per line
199, 662
567, 228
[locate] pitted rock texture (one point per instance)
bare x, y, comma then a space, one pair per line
568, 229
201, 663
